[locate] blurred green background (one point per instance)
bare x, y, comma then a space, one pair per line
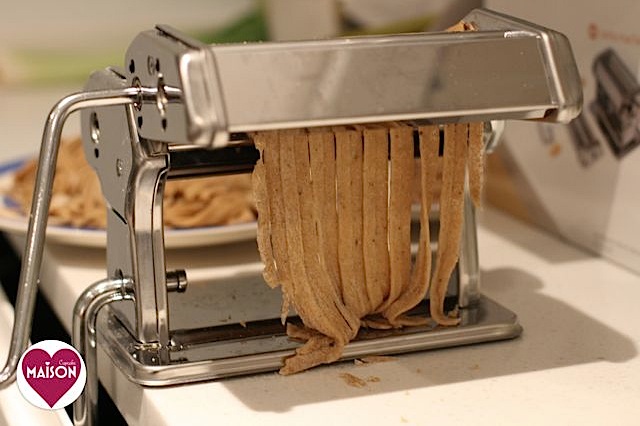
45, 43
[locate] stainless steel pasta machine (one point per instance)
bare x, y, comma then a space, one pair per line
179, 108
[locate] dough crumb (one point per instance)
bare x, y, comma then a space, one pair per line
353, 381
375, 359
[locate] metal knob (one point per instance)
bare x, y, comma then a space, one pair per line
177, 281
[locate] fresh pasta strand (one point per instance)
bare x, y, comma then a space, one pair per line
429, 148
475, 163
349, 156
451, 216
400, 182
309, 288
260, 195
376, 214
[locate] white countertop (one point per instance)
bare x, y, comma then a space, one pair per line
576, 363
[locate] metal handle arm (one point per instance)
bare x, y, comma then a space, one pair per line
32, 257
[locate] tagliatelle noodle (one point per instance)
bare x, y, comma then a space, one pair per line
342, 234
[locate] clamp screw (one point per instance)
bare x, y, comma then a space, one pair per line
177, 281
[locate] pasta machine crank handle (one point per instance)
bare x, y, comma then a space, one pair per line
36, 231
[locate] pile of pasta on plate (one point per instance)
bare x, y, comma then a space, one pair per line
77, 199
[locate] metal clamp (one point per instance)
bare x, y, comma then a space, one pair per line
84, 339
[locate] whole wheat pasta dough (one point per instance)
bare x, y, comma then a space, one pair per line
337, 226
77, 198
419, 284
349, 156
322, 157
260, 195
375, 210
312, 295
400, 182
475, 164
451, 216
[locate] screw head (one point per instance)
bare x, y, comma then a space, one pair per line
119, 167
151, 65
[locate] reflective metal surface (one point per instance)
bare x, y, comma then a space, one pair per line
132, 175
84, 339
263, 349
508, 69
34, 247
468, 263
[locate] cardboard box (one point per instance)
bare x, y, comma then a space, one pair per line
581, 180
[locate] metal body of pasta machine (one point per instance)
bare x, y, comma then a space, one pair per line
179, 108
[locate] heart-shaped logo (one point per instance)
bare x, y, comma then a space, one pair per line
51, 376
54, 371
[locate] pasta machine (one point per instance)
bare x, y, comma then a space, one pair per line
179, 108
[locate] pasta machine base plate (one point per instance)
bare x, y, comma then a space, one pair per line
261, 346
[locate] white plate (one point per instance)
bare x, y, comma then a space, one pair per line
14, 222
